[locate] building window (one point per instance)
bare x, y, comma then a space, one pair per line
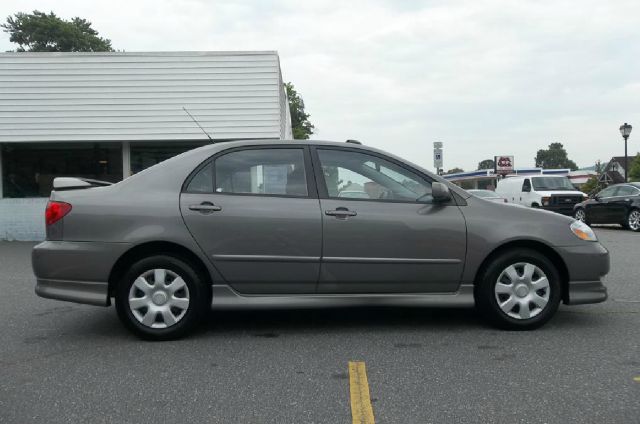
28, 169
144, 155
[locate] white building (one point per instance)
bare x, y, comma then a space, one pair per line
107, 115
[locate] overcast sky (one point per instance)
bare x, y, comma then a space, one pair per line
484, 77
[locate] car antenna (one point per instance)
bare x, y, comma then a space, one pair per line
199, 126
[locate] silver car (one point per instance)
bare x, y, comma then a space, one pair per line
261, 224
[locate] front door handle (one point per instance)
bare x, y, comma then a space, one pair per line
205, 207
340, 213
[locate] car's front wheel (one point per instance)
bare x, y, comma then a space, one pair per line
580, 215
519, 290
161, 298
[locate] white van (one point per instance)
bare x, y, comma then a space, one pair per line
551, 192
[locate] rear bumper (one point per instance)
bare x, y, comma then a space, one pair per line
90, 293
75, 271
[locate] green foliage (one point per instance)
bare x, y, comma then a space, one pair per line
454, 171
591, 186
41, 32
487, 164
555, 157
302, 127
634, 168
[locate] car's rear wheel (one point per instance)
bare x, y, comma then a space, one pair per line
161, 298
519, 290
633, 220
580, 215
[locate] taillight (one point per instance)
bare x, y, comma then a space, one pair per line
55, 211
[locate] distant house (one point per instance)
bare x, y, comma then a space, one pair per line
109, 115
614, 172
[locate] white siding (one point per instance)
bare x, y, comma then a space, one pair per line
22, 219
140, 96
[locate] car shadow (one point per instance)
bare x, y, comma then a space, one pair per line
275, 323
343, 319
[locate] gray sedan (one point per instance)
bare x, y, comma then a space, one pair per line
260, 224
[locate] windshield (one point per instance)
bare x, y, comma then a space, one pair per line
552, 183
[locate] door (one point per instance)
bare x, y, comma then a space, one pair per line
620, 205
598, 210
255, 213
382, 233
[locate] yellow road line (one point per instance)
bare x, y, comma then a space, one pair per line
361, 409
636, 379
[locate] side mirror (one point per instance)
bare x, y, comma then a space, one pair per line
596, 197
526, 189
440, 192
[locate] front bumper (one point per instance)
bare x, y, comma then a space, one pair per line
583, 292
587, 263
75, 271
561, 209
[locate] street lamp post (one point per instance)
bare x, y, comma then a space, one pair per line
625, 130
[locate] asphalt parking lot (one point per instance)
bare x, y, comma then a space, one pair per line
62, 362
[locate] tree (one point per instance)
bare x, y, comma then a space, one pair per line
554, 157
454, 171
41, 32
300, 124
634, 169
599, 168
487, 164
591, 186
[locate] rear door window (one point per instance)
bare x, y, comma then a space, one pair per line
627, 191
262, 172
202, 182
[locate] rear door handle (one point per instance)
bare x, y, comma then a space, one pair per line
341, 213
205, 207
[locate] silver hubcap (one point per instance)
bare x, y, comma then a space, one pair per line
159, 298
634, 220
580, 215
522, 290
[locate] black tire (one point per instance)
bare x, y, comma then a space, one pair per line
198, 295
485, 295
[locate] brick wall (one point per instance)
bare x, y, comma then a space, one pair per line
22, 219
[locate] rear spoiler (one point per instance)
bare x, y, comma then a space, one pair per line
75, 183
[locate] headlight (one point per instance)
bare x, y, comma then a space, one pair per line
546, 201
583, 231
